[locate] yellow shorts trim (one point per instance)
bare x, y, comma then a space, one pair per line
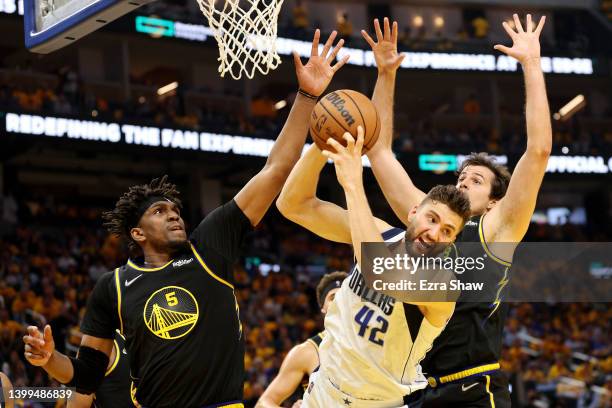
434, 382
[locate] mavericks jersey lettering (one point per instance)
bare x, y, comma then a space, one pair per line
373, 344
473, 336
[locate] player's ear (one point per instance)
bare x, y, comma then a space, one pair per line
412, 212
137, 234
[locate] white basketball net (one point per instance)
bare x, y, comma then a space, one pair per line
245, 31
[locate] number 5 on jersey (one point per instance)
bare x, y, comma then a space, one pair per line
363, 317
171, 299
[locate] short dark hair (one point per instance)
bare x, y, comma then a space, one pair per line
454, 198
326, 280
501, 172
118, 221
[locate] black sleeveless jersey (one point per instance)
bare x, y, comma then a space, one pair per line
180, 320
115, 391
315, 341
473, 336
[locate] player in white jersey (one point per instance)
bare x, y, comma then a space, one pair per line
371, 353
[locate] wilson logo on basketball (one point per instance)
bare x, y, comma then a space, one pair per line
320, 123
338, 103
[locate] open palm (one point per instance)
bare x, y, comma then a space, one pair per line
525, 43
385, 47
315, 76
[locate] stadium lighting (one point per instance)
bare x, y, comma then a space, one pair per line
570, 108
417, 21
439, 21
167, 88
280, 104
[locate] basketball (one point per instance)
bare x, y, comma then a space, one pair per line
343, 111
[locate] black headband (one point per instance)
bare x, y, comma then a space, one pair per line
144, 206
335, 284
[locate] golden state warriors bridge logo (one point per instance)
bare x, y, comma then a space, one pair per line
171, 312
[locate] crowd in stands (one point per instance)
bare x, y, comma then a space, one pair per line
51, 255
606, 8
226, 114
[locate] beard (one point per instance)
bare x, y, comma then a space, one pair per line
178, 246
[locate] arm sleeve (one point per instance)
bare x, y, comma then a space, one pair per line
101, 317
223, 231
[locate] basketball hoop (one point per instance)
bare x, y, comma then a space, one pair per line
246, 32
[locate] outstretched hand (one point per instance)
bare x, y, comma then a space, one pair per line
347, 160
525, 43
385, 46
38, 346
315, 76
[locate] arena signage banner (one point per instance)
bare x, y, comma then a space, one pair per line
441, 163
111, 132
156, 27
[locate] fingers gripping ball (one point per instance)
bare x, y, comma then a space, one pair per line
343, 111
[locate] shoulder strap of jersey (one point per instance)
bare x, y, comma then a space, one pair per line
317, 339
393, 234
483, 240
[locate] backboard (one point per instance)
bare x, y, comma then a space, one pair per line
53, 24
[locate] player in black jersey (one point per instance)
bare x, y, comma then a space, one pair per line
463, 365
116, 389
302, 360
175, 305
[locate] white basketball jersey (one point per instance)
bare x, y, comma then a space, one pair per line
373, 344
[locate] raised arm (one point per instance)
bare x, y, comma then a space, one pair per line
347, 161
299, 203
509, 219
349, 171
398, 188
256, 197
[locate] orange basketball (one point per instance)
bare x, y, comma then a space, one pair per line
343, 111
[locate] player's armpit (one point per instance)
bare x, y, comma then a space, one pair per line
509, 220
298, 201
300, 361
